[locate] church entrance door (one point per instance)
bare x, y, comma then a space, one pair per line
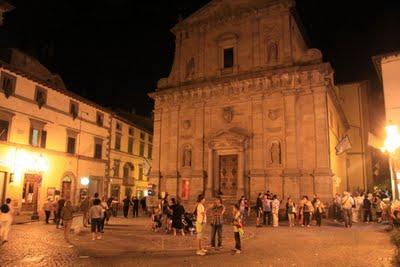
228, 174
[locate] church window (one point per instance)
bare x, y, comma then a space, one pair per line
228, 57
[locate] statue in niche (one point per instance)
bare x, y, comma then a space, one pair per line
190, 66
187, 157
275, 152
272, 53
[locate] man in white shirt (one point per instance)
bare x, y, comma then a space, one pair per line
201, 219
347, 206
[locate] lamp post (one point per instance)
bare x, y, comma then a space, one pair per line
392, 143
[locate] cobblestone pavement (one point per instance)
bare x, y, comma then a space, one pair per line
129, 242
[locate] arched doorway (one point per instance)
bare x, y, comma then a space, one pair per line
66, 187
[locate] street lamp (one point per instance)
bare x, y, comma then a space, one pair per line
392, 143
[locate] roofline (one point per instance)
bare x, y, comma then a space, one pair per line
300, 25
7, 6
377, 61
119, 117
19, 72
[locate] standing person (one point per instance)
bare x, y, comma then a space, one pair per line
337, 206
357, 207
67, 215
319, 209
55, 209
275, 210
267, 209
84, 208
237, 228
143, 205
201, 219
136, 206
177, 213
217, 220
259, 209
347, 205
291, 211
242, 207
378, 207
95, 196
48, 208
6, 218
104, 206
125, 206
133, 206
307, 211
114, 207
60, 206
367, 209
95, 214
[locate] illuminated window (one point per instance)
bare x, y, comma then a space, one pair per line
38, 135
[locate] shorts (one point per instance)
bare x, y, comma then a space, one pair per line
95, 223
199, 230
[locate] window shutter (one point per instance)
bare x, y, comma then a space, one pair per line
43, 138
30, 136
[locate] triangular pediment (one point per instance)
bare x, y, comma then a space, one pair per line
233, 137
225, 8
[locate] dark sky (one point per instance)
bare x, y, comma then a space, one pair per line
114, 51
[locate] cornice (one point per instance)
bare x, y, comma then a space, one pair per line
291, 80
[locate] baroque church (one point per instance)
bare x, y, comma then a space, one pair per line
247, 108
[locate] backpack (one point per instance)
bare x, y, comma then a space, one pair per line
4, 208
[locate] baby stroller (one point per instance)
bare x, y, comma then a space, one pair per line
188, 225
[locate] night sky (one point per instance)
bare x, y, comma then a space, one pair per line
114, 51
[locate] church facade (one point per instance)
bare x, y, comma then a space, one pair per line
246, 108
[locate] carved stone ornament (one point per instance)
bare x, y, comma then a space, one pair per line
186, 124
227, 114
273, 114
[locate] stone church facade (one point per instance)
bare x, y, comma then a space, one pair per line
245, 107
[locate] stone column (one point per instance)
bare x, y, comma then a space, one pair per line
240, 184
154, 177
210, 174
291, 173
322, 173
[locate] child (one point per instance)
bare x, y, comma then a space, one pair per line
156, 219
237, 228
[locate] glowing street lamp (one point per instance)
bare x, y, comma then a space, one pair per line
85, 181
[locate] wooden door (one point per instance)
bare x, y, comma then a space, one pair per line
30, 192
228, 174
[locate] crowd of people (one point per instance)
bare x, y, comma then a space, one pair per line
170, 216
